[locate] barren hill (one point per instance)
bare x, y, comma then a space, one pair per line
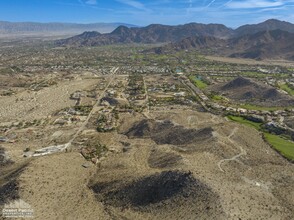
166, 132
198, 43
268, 25
247, 91
274, 44
266, 44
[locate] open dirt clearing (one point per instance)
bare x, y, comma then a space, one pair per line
30, 105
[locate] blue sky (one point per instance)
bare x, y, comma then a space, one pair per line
232, 13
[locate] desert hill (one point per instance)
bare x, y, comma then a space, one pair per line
248, 91
166, 132
197, 43
268, 25
265, 44
276, 44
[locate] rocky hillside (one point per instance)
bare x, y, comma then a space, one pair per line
190, 43
276, 44
268, 25
248, 91
197, 43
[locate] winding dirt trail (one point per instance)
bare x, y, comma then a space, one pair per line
242, 151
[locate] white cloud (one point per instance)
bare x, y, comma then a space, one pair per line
254, 4
133, 3
210, 3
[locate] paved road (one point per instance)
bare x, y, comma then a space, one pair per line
196, 92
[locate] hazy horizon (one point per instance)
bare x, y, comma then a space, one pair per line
122, 23
232, 13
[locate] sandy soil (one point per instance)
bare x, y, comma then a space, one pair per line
56, 187
30, 105
241, 176
255, 185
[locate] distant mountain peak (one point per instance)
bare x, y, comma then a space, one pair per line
268, 25
121, 30
90, 34
237, 83
273, 20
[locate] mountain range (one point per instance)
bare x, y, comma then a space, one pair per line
270, 44
266, 40
154, 33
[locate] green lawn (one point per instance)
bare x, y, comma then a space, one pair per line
286, 88
198, 82
260, 108
285, 147
244, 121
219, 98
